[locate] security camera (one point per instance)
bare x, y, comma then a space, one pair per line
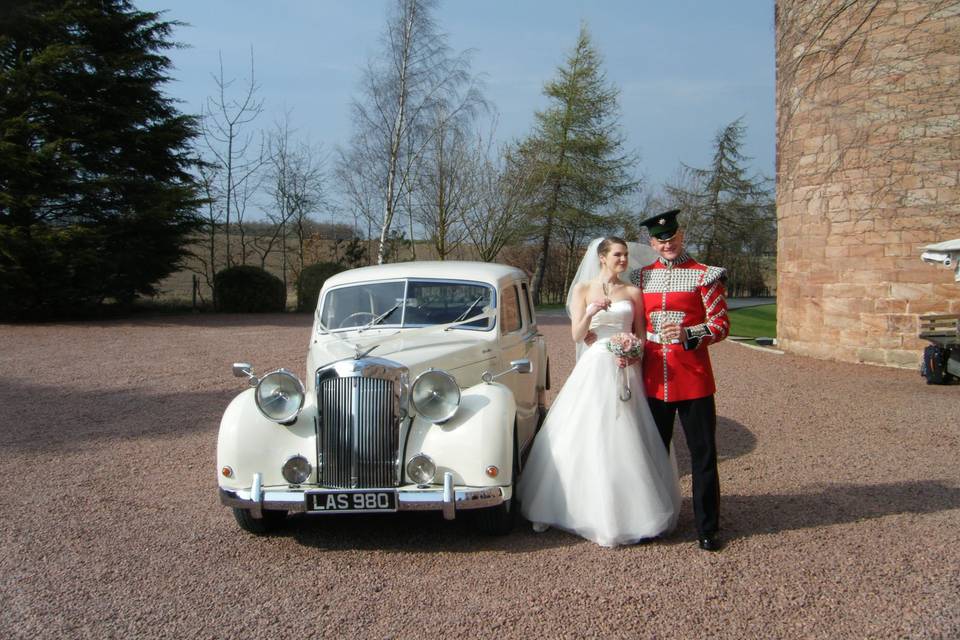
945, 253
937, 257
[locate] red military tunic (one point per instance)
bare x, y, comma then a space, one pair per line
690, 294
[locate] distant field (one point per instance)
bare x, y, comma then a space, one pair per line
176, 290
178, 287
754, 322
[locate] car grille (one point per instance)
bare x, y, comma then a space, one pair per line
358, 443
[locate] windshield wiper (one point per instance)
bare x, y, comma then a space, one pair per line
379, 318
466, 313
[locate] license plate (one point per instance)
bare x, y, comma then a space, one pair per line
352, 501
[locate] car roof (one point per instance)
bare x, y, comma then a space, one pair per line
488, 272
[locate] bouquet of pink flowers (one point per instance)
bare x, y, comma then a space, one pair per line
625, 345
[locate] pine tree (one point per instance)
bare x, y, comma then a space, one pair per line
729, 216
575, 152
96, 197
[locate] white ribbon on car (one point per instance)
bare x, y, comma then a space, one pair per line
361, 349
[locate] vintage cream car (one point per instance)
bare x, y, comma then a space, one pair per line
425, 387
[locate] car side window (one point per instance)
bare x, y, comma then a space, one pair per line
510, 317
525, 298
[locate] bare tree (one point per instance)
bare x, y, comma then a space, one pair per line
357, 181
233, 149
444, 186
296, 187
212, 219
415, 72
500, 186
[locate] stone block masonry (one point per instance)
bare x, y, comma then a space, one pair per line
868, 167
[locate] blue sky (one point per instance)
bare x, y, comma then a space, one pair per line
684, 68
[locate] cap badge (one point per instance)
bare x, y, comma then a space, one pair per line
662, 221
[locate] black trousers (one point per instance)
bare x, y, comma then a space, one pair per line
699, 420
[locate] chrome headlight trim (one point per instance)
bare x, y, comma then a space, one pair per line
296, 469
435, 395
421, 469
280, 396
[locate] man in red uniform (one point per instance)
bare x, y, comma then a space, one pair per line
686, 311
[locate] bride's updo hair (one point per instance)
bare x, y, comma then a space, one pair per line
608, 242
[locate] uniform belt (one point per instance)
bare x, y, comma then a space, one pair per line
655, 337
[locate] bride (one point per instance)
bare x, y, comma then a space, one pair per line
598, 467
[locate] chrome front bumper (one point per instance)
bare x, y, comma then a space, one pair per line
448, 498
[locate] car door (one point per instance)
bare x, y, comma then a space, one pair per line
519, 339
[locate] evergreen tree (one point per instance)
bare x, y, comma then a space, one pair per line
729, 216
96, 196
575, 152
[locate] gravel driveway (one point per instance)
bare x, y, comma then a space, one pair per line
841, 507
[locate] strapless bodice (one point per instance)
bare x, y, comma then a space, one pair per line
617, 318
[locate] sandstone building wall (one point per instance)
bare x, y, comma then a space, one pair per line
868, 166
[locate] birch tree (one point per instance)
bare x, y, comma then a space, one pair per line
415, 71
496, 216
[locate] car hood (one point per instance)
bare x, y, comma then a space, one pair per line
457, 351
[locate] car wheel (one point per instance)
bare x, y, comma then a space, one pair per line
542, 401
270, 521
541, 409
934, 366
496, 521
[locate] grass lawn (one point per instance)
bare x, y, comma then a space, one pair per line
751, 322
754, 322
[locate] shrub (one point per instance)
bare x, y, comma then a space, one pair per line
246, 289
311, 281
97, 195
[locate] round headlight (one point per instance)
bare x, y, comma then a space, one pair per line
296, 470
279, 396
435, 395
421, 469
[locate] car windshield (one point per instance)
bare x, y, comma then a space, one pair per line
406, 303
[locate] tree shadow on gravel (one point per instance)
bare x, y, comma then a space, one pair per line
826, 505
733, 440
43, 418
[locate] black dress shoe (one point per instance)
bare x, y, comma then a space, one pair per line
710, 542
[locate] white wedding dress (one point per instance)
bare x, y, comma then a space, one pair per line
598, 467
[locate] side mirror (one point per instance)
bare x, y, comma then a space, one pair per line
520, 366
245, 370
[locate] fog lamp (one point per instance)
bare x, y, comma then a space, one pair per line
435, 395
296, 470
421, 469
279, 396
